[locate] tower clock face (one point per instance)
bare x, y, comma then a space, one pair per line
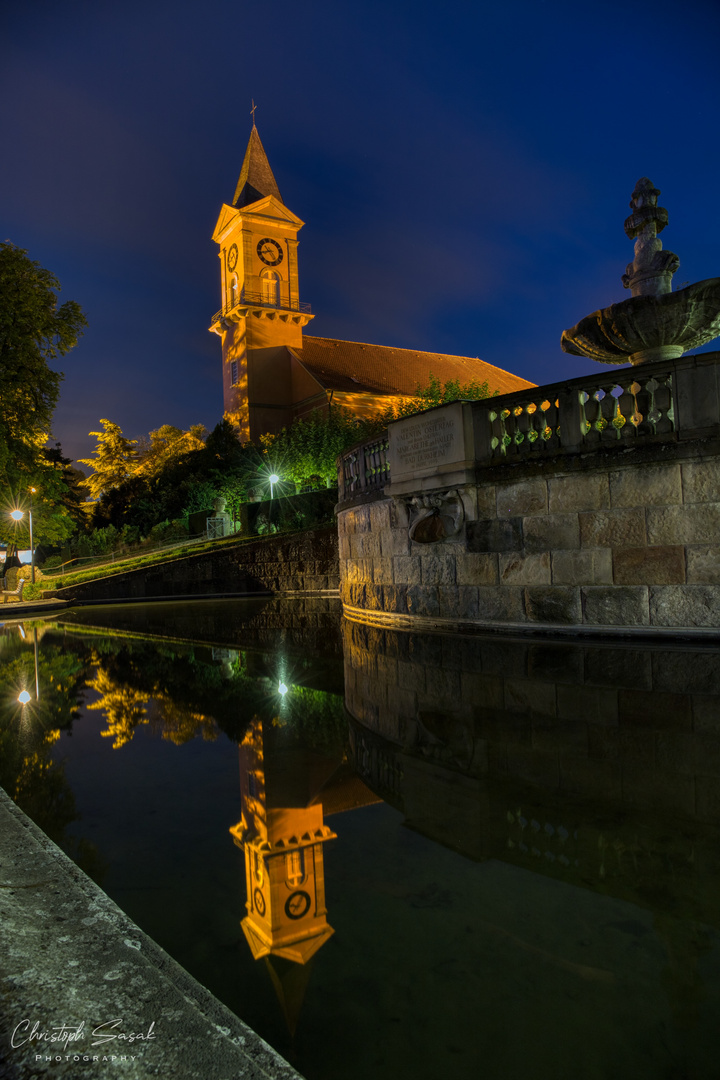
297, 904
232, 257
270, 251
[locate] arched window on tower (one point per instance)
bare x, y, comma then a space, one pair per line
295, 867
234, 297
270, 288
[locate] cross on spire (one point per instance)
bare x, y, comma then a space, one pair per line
254, 107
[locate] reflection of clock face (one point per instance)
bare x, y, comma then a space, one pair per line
270, 252
259, 901
232, 257
297, 905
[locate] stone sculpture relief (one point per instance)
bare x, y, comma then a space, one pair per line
435, 517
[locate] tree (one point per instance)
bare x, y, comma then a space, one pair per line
437, 393
34, 332
114, 460
167, 446
309, 448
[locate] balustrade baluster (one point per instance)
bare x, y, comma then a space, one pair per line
608, 410
663, 403
625, 413
643, 400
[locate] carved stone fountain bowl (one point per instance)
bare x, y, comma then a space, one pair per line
646, 328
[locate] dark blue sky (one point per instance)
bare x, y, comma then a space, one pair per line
463, 170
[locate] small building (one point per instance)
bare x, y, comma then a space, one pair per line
274, 373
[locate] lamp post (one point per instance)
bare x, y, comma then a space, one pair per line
273, 480
18, 515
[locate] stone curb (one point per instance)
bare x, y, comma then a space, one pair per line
70, 955
428, 624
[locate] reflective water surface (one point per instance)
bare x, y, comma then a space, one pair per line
392, 854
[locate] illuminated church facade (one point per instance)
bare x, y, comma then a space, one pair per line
274, 372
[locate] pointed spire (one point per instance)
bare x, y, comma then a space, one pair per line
256, 177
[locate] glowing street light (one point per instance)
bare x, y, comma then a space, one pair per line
23, 697
18, 515
274, 478
282, 689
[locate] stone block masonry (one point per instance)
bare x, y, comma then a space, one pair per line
653, 564
617, 530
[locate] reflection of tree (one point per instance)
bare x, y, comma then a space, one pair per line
186, 690
315, 716
124, 708
28, 734
179, 723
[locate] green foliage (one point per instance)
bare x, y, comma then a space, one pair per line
114, 460
34, 332
177, 474
309, 448
166, 447
307, 451
437, 393
104, 540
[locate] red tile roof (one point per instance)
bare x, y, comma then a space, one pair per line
380, 369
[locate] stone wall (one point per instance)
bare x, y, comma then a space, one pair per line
602, 540
300, 562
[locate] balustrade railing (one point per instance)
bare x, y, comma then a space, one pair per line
261, 299
658, 402
364, 469
584, 414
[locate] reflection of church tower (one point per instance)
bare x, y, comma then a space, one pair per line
261, 312
282, 833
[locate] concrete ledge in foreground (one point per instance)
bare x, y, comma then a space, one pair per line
70, 956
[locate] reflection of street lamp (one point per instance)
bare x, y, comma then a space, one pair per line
23, 696
18, 515
282, 689
273, 480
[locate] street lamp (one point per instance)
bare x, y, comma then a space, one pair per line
18, 515
273, 480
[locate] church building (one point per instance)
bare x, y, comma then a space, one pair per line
275, 373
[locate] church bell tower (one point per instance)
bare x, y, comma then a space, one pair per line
261, 313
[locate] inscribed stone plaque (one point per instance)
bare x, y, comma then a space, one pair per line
433, 442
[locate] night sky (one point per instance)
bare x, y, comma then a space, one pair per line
463, 170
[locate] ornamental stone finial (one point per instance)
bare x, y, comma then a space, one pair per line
651, 271
654, 323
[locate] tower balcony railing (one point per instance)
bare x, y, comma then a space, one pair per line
261, 299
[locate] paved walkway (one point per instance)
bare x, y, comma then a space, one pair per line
69, 956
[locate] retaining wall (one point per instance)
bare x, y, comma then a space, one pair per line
300, 562
599, 522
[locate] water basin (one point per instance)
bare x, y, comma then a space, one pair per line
509, 849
